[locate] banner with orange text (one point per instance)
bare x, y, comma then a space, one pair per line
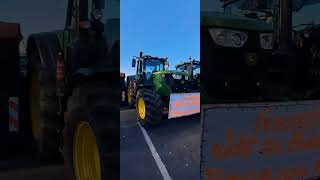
184, 104
262, 141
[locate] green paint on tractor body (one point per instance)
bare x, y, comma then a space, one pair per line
161, 84
228, 21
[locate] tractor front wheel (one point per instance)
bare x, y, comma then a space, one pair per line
149, 107
91, 144
131, 96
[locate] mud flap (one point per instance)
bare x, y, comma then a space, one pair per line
268, 141
183, 104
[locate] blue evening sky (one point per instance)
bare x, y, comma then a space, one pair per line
166, 28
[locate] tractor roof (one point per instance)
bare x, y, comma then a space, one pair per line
194, 62
146, 57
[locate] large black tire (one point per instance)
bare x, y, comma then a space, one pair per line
131, 95
153, 107
43, 109
97, 106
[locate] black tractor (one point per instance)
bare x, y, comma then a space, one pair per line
192, 68
74, 91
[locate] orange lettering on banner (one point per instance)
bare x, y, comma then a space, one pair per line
293, 173
229, 135
230, 177
303, 121
317, 166
262, 124
217, 152
213, 174
265, 175
272, 146
280, 125
178, 104
242, 145
196, 102
296, 142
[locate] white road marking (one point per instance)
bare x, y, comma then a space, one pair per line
155, 155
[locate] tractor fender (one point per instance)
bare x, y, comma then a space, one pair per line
47, 44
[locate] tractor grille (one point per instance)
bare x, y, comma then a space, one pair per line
233, 71
178, 86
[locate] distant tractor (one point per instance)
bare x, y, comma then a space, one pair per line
149, 90
123, 88
192, 68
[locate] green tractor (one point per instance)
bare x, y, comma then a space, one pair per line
192, 68
236, 46
149, 90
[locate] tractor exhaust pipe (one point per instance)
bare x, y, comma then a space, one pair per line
285, 24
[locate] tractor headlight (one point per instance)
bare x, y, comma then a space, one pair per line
176, 76
266, 40
228, 38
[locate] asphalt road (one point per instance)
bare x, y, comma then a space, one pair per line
24, 166
176, 141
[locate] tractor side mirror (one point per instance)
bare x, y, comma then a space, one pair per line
166, 66
133, 62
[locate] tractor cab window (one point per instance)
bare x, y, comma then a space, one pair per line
306, 14
196, 69
111, 19
152, 66
257, 9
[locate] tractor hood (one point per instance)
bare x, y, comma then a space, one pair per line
221, 20
171, 72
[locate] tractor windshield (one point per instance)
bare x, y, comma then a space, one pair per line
151, 66
257, 9
306, 13
196, 69
111, 18
185, 68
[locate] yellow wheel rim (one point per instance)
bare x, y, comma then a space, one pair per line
35, 104
86, 158
141, 108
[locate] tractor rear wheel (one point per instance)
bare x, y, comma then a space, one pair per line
131, 96
149, 109
43, 110
91, 144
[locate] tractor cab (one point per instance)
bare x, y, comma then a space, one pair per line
147, 66
299, 34
192, 67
